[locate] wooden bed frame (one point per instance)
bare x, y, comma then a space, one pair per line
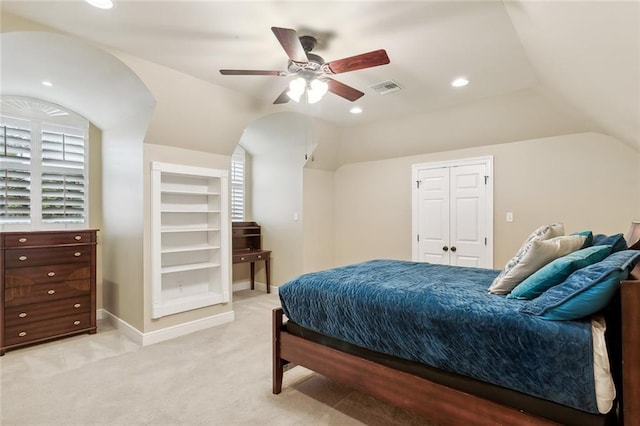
442, 404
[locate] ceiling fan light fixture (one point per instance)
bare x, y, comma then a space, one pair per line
296, 88
317, 89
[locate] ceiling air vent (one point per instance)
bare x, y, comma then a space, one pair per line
386, 87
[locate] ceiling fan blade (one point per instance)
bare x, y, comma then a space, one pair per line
290, 42
358, 62
252, 72
283, 98
341, 89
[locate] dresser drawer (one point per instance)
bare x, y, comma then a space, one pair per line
250, 257
24, 333
35, 239
15, 277
40, 311
26, 294
24, 258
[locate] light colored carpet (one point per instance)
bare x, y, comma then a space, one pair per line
218, 376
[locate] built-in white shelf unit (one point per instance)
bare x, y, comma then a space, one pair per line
189, 238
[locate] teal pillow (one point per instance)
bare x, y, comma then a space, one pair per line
586, 291
557, 271
589, 238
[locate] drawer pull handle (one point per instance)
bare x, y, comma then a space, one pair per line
259, 257
76, 323
77, 305
51, 274
77, 254
51, 292
22, 240
242, 258
77, 237
22, 333
22, 258
22, 314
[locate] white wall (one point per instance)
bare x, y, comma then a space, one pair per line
586, 180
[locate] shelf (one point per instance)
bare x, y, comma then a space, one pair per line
172, 230
188, 267
181, 304
188, 249
186, 192
189, 211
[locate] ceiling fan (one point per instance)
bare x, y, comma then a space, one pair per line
312, 71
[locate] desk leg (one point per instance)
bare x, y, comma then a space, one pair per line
253, 275
266, 270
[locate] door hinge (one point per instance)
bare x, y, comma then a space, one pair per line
486, 179
485, 241
418, 184
418, 237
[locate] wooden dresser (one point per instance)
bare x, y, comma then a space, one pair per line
48, 286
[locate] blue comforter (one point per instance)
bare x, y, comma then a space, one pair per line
443, 316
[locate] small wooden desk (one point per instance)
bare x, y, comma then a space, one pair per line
253, 256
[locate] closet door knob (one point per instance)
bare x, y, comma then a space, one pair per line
453, 248
445, 248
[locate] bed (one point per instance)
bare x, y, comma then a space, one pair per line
335, 342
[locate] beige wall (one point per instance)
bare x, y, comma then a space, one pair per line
318, 216
586, 180
173, 155
95, 202
277, 197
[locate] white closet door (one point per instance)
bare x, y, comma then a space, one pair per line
433, 222
468, 215
453, 213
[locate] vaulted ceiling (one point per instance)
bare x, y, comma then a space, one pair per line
584, 56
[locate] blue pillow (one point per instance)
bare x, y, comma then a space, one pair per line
557, 271
616, 241
589, 238
586, 291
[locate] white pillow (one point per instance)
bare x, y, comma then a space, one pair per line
532, 256
543, 233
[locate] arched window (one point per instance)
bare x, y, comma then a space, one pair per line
43, 166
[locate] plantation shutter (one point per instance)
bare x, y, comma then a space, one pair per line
63, 174
237, 184
15, 164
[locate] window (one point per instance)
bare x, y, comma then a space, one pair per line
238, 162
43, 166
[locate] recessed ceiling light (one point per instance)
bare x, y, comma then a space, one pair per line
460, 82
355, 110
47, 83
101, 4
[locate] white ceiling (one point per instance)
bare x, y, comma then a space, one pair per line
501, 47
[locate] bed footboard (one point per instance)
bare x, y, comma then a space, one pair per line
436, 402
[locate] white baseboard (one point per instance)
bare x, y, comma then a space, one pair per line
156, 336
246, 285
